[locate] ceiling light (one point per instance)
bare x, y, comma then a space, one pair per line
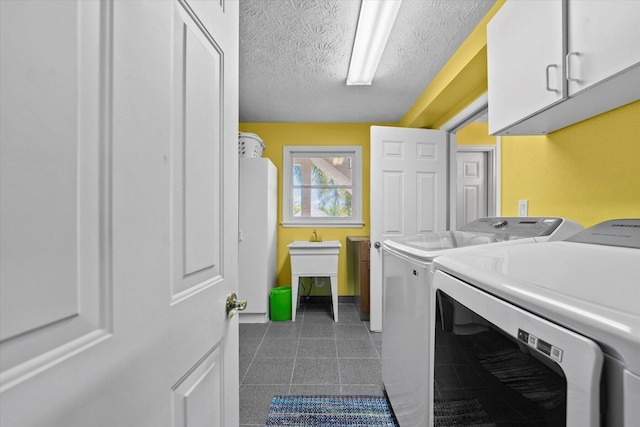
374, 26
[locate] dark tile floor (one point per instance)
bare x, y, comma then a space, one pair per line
311, 356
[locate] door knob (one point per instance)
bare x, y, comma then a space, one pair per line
234, 304
377, 245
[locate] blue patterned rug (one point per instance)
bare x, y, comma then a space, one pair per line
326, 411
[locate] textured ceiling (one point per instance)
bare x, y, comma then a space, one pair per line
294, 57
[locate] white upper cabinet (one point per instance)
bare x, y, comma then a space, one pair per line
525, 56
555, 63
603, 41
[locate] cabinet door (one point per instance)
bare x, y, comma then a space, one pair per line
603, 40
258, 224
525, 60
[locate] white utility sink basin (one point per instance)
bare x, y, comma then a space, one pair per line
307, 244
304, 246
314, 259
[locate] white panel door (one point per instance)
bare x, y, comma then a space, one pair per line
204, 239
90, 334
408, 193
472, 186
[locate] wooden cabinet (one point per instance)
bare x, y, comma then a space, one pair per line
555, 63
358, 272
258, 204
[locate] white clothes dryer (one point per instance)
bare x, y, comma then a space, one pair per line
555, 331
406, 298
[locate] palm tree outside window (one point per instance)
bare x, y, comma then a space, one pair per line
323, 186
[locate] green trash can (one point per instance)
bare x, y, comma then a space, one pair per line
280, 303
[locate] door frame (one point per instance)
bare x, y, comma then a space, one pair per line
475, 110
490, 151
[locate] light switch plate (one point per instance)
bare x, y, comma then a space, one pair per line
523, 208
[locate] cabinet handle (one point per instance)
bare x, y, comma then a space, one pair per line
568, 67
549, 89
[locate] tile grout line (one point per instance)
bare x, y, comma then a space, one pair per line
335, 340
345, 330
295, 356
256, 353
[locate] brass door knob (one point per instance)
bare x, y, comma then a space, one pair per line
234, 304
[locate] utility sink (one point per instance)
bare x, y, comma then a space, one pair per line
314, 259
313, 246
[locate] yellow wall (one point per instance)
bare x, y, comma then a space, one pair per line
588, 172
277, 135
475, 134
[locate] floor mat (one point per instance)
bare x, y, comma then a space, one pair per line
526, 376
466, 412
326, 411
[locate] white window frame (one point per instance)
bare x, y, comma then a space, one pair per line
291, 152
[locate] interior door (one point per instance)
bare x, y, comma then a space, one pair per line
98, 315
408, 194
204, 240
472, 186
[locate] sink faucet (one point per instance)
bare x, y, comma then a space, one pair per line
315, 237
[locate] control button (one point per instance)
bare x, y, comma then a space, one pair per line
500, 224
523, 336
544, 347
556, 354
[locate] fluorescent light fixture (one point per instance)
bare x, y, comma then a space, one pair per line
374, 26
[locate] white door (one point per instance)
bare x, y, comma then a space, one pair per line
408, 194
116, 253
203, 342
472, 186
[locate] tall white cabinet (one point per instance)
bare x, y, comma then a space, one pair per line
258, 236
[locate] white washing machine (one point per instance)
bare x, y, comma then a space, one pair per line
553, 336
406, 299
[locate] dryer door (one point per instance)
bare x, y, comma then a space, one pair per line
506, 365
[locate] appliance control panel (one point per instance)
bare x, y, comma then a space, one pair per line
514, 226
615, 232
553, 352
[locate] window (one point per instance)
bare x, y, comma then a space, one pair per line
322, 186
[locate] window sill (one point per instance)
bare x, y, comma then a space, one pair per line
323, 224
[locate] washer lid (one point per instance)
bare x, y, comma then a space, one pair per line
430, 245
482, 231
514, 226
